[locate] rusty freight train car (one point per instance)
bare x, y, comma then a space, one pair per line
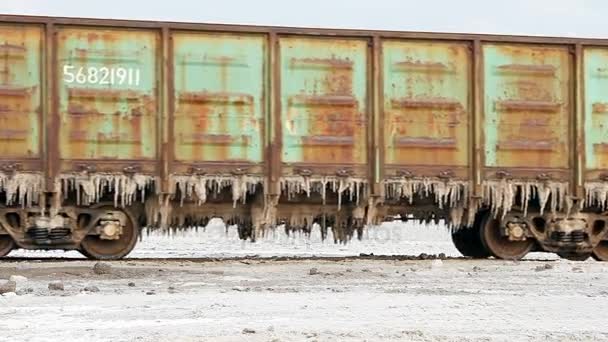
109, 126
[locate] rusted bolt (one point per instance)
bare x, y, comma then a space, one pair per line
404, 173
543, 176
304, 172
86, 167
344, 173
12, 167
195, 170
501, 174
131, 169
446, 174
239, 171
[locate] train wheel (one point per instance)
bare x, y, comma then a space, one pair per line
574, 256
6, 245
94, 247
468, 241
600, 252
500, 246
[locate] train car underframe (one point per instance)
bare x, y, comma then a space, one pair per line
574, 236
99, 231
108, 230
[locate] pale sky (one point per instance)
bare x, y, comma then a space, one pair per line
575, 18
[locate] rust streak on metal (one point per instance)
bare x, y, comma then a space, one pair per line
220, 97
477, 138
578, 127
426, 142
328, 140
276, 127
13, 134
10, 48
218, 139
528, 105
432, 103
13, 91
600, 108
104, 94
52, 111
602, 147
327, 62
324, 100
167, 110
528, 144
375, 119
545, 70
536, 122
419, 65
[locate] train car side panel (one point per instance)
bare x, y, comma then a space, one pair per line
324, 101
527, 109
107, 97
426, 106
596, 108
219, 98
20, 96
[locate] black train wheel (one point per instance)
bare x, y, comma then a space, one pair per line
500, 246
93, 247
6, 245
468, 240
600, 252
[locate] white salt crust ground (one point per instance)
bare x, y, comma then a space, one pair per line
264, 300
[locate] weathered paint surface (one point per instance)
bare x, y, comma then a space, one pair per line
596, 107
323, 100
219, 97
426, 103
107, 93
20, 91
526, 106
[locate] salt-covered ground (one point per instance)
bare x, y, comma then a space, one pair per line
305, 300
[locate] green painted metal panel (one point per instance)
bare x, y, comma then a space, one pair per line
20, 91
107, 93
426, 103
596, 107
219, 97
526, 106
323, 100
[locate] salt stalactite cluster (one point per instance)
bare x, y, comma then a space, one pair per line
343, 222
446, 192
596, 194
92, 187
451, 193
267, 218
21, 188
160, 211
374, 216
501, 195
295, 185
198, 187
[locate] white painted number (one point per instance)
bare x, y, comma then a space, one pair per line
68, 76
102, 75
